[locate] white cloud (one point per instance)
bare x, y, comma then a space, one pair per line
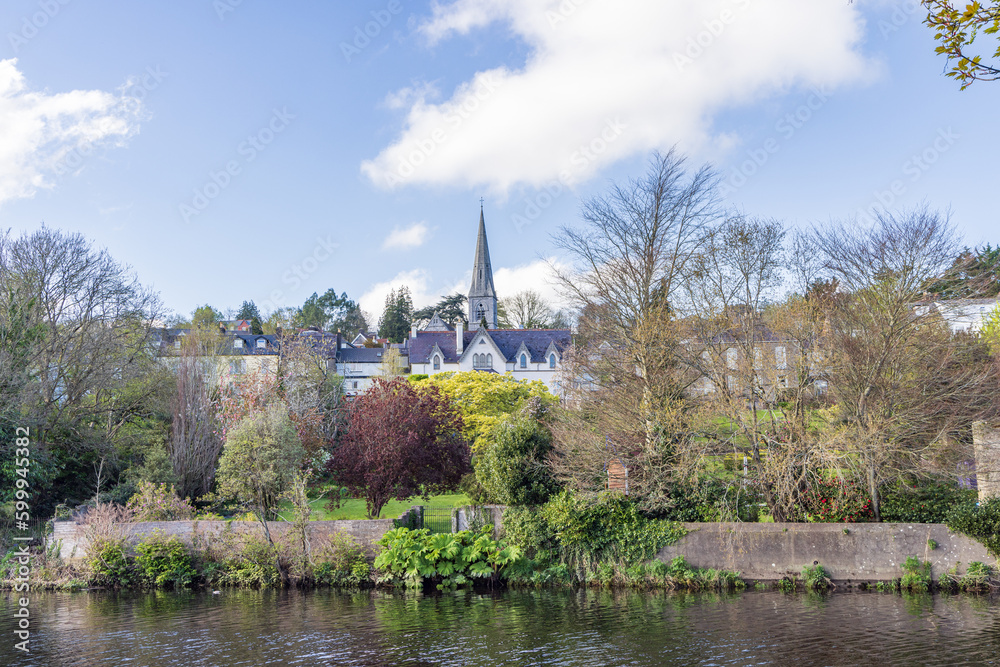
45, 135
536, 276
607, 79
418, 280
405, 238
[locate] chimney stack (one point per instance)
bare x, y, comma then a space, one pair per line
459, 338
413, 331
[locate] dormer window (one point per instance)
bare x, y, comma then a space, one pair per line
552, 360
237, 343
261, 343
177, 344
524, 361
437, 362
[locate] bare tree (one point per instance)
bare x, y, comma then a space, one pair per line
195, 445
629, 258
525, 310
895, 371
95, 320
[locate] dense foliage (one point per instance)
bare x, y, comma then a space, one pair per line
483, 399
981, 522
158, 502
445, 559
259, 460
577, 531
402, 440
928, 502
511, 467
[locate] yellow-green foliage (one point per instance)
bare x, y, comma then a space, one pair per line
991, 329
485, 398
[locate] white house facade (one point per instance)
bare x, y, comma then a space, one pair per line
527, 354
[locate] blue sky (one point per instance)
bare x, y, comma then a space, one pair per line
250, 149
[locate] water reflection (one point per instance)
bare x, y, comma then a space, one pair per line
510, 628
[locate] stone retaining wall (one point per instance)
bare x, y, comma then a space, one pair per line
366, 532
857, 552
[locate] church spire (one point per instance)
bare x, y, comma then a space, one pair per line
482, 294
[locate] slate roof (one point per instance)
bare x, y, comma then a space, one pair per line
360, 355
507, 340
167, 337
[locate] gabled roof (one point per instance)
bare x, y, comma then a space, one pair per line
508, 341
437, 324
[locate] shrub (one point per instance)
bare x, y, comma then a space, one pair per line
340, 562
707, 500
157, 502
511, 465
978, 577
924, 503
916, 575
815, 578
980, 522
165, 561
606, 528
448, 559
833, 501
105, 532
242, 558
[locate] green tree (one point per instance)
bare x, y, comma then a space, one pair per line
973, 274
397, 315
332, 312
484, 399
451, 309
259, 461
205, 317
991, 330
248, 311
511, 466
956, 29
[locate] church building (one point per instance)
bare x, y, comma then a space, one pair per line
527, 354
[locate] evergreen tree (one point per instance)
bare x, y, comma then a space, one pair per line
972, 275
396, 318
249, 311
332, 312
450, 308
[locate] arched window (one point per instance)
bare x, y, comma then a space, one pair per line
480, 313
437, 363
524, 361
552, 360
489, 361
475, 361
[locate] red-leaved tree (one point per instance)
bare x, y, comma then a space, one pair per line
401, 441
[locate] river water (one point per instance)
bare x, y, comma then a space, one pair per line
596, 628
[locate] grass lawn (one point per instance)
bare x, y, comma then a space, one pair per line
437, 509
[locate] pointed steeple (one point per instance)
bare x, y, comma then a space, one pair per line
482, 294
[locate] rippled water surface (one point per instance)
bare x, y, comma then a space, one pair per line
510, 628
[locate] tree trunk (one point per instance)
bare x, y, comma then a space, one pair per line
873, 494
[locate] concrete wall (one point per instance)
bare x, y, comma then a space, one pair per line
366, 532
987, 443
866, 552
